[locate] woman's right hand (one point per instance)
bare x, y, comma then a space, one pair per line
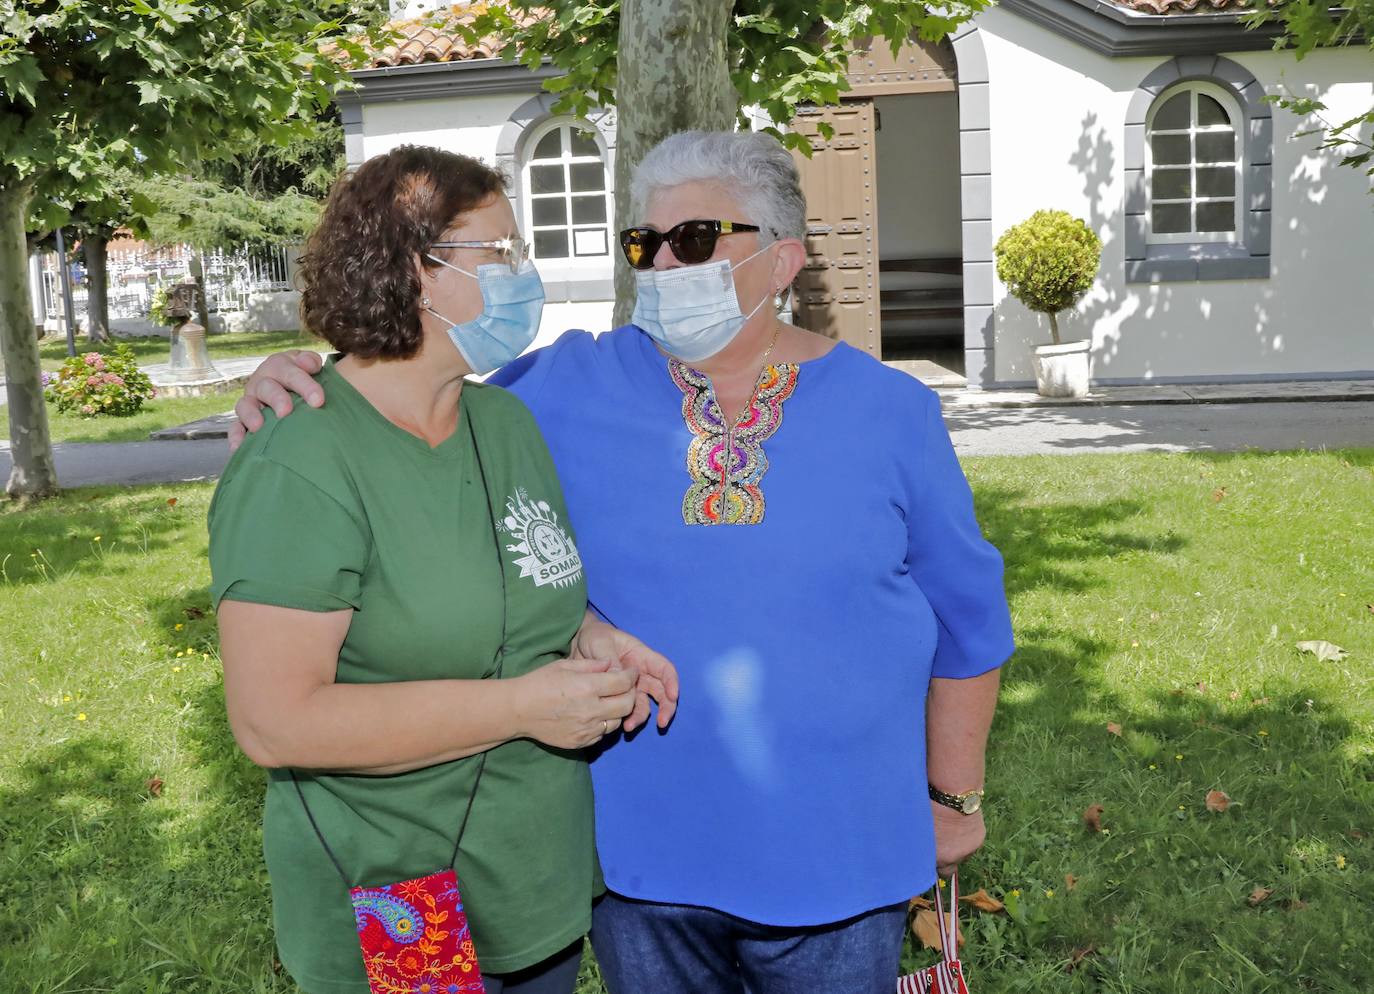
574, 703
271, 385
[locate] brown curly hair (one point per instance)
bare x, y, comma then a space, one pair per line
359, 287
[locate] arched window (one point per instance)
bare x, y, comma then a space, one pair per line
1194, 158
567, 198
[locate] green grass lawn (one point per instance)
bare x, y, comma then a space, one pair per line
162, 412
1160, 593
159, 413
53, 349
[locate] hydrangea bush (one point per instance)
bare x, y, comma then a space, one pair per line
95, 384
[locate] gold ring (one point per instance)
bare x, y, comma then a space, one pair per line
605, 727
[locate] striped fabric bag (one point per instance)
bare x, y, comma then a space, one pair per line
947, 976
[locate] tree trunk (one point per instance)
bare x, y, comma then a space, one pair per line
94, 245
34, 474
672, 76
1054, 327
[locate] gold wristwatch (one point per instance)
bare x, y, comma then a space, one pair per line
967, 803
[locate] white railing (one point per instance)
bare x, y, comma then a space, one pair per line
133, 278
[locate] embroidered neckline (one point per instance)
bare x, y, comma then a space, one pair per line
716, 496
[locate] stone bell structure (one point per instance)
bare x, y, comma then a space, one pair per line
190, 362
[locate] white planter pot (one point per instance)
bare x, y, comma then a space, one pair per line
1063, 370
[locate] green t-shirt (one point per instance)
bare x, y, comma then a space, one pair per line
338, 508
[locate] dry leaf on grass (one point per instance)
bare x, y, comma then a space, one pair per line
1370, 608
919, 904
154, 786
1092, 817
1258, 896
1218, 800
1076, 957
1114, 728
171, 502
194, 612
983, 901
1070, 881
1292, 904
1218, 494
1324, 651
927, 929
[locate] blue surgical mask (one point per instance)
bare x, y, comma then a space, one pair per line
512, 304
691, 311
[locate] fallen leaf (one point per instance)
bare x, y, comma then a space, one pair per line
983, 901
1324, 651
194, 613
1218, 494
1355, 833
1202, 688
1234, 695
1070, 881
1076, 957
1218, 800
1092, 817
154, 786
1114, 728
1292, 904
1258, 896
1260, 702
171, 502
927, 929
919, 904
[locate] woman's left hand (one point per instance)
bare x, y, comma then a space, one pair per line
657, 677
957, 836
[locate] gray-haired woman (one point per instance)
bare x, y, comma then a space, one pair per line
838, 646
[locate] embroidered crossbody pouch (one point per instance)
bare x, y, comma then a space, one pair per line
414, 934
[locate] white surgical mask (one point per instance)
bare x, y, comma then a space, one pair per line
511, 307
692, 311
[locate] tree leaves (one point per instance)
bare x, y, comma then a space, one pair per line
1323, 650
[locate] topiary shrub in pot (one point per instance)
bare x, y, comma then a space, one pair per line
1048, 262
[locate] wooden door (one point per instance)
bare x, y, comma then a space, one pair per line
836, 293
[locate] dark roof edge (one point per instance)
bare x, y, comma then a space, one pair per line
1116, 31
437, 79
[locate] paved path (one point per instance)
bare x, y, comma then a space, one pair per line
976, 431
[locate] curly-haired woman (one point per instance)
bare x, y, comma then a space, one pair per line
403, 615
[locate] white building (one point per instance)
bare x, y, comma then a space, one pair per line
1233, 250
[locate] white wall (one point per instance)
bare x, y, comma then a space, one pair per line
469, 124
1057, 114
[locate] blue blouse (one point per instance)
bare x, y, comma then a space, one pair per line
791, 787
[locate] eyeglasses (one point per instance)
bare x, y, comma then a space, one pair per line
512, 251
691, 241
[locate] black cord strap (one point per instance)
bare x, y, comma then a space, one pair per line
500, 662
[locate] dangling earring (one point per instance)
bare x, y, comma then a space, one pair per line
424, 301
778, 300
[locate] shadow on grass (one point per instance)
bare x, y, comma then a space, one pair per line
113, 884
80, 533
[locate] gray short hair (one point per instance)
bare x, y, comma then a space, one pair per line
751, 165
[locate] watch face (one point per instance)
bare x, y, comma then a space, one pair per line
972, 803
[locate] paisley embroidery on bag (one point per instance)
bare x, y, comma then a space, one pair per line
726, 486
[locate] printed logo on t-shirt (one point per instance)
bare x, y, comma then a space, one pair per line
543, 549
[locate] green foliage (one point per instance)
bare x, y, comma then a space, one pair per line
1311, 24
174, 209
98, 384
1048, 260
782, 56
157, 307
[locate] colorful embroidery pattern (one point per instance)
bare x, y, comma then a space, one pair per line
415, 937
727, 462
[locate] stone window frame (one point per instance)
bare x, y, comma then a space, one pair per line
1196, 88
572, 260
1248, 256
583, 282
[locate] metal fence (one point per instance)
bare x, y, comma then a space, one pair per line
133, 278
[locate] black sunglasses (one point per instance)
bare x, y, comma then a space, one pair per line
691, 241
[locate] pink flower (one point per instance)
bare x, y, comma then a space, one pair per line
91, 358
114, 378
93, 381
87, 409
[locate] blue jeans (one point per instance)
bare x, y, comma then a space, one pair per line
556, 975
647, 948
